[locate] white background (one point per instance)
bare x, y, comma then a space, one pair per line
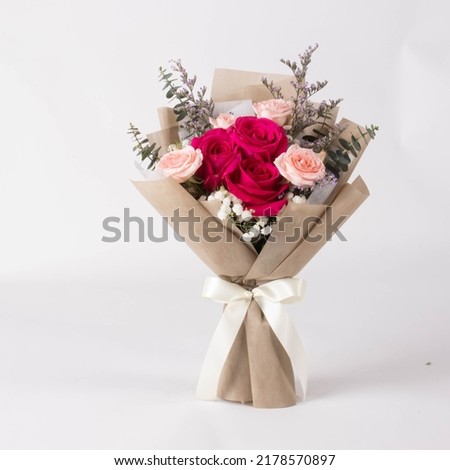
101, 344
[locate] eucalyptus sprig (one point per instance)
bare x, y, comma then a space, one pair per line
338, 157
193, 109
143, 148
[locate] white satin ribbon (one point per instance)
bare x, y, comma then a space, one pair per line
270, 297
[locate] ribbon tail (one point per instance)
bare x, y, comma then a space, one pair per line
219, 348
286, 332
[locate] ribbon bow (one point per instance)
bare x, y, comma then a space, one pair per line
270, 297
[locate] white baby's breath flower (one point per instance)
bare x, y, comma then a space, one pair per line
226, 201
253, 234
219, 195
222, 215
266, 230
202, 198
238, 209
299, 199
246, 237
172, 148
211, 197
226, 208
289, 195
246, 215
262, 221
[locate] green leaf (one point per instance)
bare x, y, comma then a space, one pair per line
356, 144
353, 152
332, 166
345, 144
342, 158
319, 133
371, 133
170, 94
164, 76
331, 154
343, 167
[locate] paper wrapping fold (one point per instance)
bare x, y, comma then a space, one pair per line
227, 257
257, 369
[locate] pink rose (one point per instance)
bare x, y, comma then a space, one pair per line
181, 164
279, 111
258, 184
261, 138
301, 167
223, 121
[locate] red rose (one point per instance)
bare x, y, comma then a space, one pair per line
260, 137
259, 185
220, 156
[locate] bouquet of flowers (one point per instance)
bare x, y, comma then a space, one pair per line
255, 180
